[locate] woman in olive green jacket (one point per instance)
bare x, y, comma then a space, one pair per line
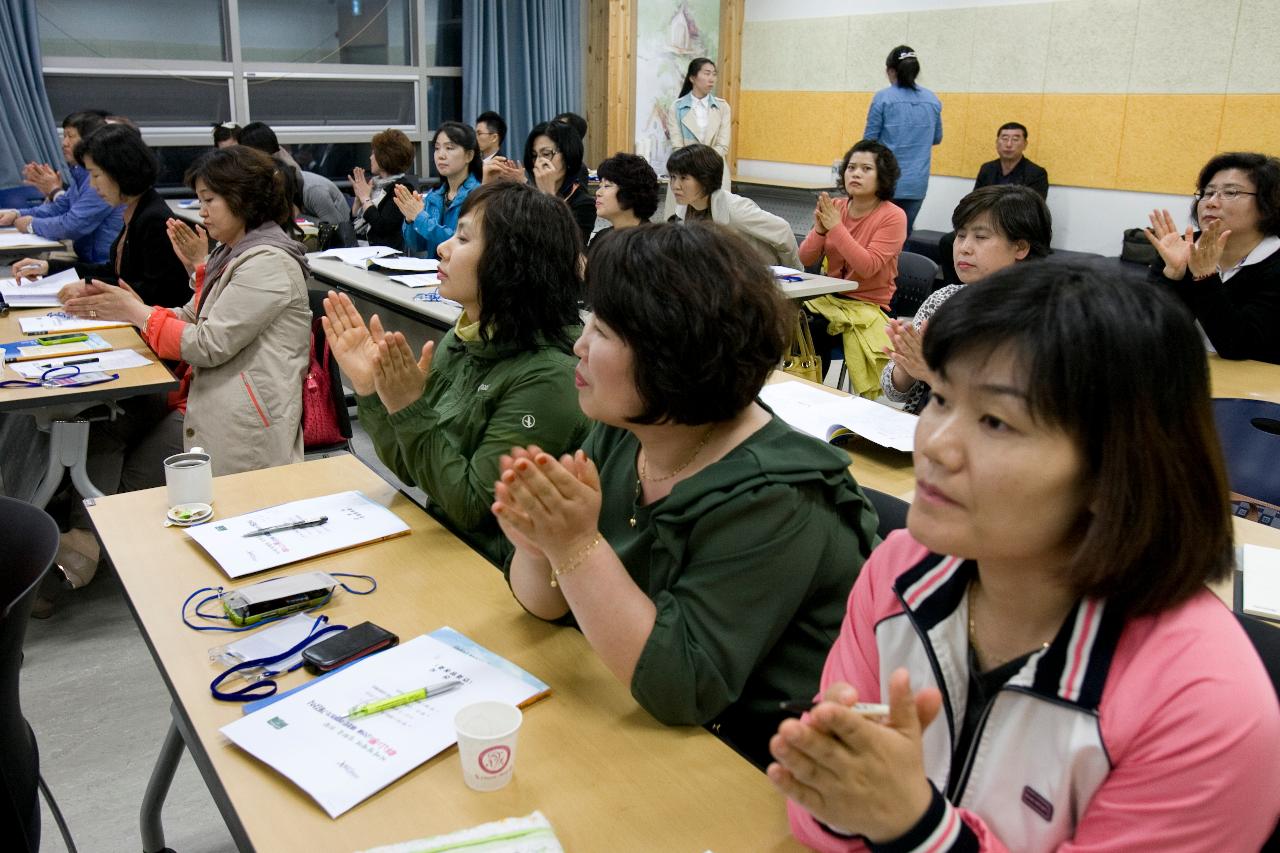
502, 377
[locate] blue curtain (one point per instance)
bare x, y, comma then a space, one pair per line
27, 131
523, 59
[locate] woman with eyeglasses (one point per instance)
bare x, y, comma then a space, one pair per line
433, 218
1228, 272
553, 160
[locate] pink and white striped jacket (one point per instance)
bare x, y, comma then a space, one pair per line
1158, 732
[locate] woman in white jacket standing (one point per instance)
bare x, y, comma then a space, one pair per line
697, 116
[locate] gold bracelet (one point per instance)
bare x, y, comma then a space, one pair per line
575, 562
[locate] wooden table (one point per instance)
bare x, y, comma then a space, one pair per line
58, 409
606, 774
1255, 380
380, 289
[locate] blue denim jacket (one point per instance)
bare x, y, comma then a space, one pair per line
909, 122
430, 228
79, 215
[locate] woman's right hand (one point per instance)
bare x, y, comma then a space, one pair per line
8, 217
504, 504
31, 268
1174, 246
547, 177
352, 343
360, 186
409, 202
191, 245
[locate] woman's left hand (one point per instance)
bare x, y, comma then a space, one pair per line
409, 202
1207, 251
101, 301
398, 379
854, 774
552, 503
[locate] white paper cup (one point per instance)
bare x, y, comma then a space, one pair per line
487, 743
189, 477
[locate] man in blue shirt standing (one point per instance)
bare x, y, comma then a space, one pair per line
77, 213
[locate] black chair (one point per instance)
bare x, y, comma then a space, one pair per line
917, 276
337, 397
1250, 434
1266, 640
892, 511
29, 541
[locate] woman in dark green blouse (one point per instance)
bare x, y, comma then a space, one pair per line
701, 544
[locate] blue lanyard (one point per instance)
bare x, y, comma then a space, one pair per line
266, 685
216, 592
51, 378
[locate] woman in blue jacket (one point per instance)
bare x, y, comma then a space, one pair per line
432, 219
908, 119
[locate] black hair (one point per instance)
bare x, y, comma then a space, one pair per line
700, 162
464, 137
568, 142
1017, 212
1119, 367
85, 122
575, 121
226, 130
495, 122
259, 135
905, 65
528, 276
686, 86
636, 181
118, 150
1263, 170
681, 296
250, 182
1013, 125
887, 169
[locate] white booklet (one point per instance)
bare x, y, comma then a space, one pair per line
424, 279
833, 417
119, 359
40, 293
1260, 566
60, 321
405, 264
357, 255
339, 762
351, 519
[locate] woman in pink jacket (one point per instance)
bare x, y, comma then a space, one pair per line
1057, 675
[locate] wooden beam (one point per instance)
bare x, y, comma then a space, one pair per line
729, 78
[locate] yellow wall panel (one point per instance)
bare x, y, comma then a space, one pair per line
1079, 139
794, 127
948, 157
853, 120
1251, 123
1166, 139
986, 112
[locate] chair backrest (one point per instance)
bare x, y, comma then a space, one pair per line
916, 278
20, 196
1250, 434
29, 541
892, 511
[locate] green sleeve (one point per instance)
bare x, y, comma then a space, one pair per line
461, 484
749, 568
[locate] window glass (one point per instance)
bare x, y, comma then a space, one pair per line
175, 160
142, 29
444, 33
366, 32
444, 101
167, 101
287, 101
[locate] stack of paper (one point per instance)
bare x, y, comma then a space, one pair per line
340, 762
120, 359
40, 293
403, 264
832, 417
357, 255
1260, 567
56, 322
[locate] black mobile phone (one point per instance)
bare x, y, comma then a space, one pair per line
352, 644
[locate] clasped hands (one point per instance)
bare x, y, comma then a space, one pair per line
547, 507
907, 351
498, 168
43, 177
409, 202
191, 245
374, 360
856, 775
361, 188
13, 218
825, 214
1181, 252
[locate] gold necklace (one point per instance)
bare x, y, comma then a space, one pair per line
973, 630
642, 475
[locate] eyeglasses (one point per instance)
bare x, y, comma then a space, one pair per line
1228, 194
486, 133
548, 153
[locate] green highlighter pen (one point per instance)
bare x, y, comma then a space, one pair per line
429, 692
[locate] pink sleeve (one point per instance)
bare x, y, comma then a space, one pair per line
887, 239
812, 248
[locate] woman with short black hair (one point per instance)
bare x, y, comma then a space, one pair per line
628, 191
502, 376
694, 178
122, 171
661, 537
431, 219
1228, 273
1058, 675
553, 164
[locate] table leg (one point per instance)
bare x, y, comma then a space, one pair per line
158, 788
68, 449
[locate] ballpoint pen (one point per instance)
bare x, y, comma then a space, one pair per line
292, 525
72, 361
429, 692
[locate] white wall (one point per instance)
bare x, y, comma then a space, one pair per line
782, 10
1084, 220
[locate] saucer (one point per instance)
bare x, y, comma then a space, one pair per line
186, 515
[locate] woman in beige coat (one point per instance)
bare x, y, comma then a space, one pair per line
699, 117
